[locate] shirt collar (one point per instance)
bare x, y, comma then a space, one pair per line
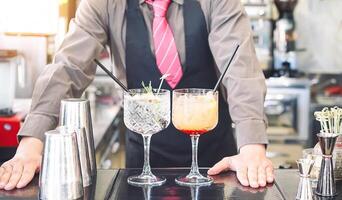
176, 1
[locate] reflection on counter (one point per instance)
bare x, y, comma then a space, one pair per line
225, 186
99, 190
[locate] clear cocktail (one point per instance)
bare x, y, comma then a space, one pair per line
146, 113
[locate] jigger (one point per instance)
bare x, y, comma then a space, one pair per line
304, 189
326, 182
82, 150
60, 177
76, 113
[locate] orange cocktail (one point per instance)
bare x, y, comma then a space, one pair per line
194, 112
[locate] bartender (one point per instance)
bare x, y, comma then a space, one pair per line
191, 40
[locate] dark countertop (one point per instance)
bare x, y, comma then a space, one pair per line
112, 184
104, 183
225, 186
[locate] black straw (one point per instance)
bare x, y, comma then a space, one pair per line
111, 75
222, 75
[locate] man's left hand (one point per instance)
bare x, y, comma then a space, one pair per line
251, 166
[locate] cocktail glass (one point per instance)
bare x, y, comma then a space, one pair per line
194, 112
146, 113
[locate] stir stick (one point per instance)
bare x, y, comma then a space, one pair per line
225, 70
111, 75
330, 120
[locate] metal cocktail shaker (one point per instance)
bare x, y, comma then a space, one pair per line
60, 177
82, 150
326, 182
76, 113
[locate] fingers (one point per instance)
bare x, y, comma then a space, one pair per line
241, 174
256, 176
15, 176
18, 172
269, 174
262, 176
219, 167
6, 175
252, 173
27, 176
252, 190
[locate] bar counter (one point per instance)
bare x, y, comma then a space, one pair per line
112, 185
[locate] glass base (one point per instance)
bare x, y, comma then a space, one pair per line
194, 180
146, 180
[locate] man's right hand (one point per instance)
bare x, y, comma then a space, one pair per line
20, 170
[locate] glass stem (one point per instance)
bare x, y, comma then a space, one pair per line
147, 168
194, 165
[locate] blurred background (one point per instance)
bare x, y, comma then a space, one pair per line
298, 44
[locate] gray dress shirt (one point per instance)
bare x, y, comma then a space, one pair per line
102, 22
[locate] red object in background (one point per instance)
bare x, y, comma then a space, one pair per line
333, 90
9, 128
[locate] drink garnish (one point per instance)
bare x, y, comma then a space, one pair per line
148, 89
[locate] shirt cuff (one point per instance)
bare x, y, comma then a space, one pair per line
251, 132
36, 125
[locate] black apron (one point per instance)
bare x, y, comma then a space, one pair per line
170, 147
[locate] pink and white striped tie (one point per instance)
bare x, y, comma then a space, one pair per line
165, 47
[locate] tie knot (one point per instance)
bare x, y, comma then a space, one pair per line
160, 7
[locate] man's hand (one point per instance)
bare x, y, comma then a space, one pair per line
251, 166
19, 171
